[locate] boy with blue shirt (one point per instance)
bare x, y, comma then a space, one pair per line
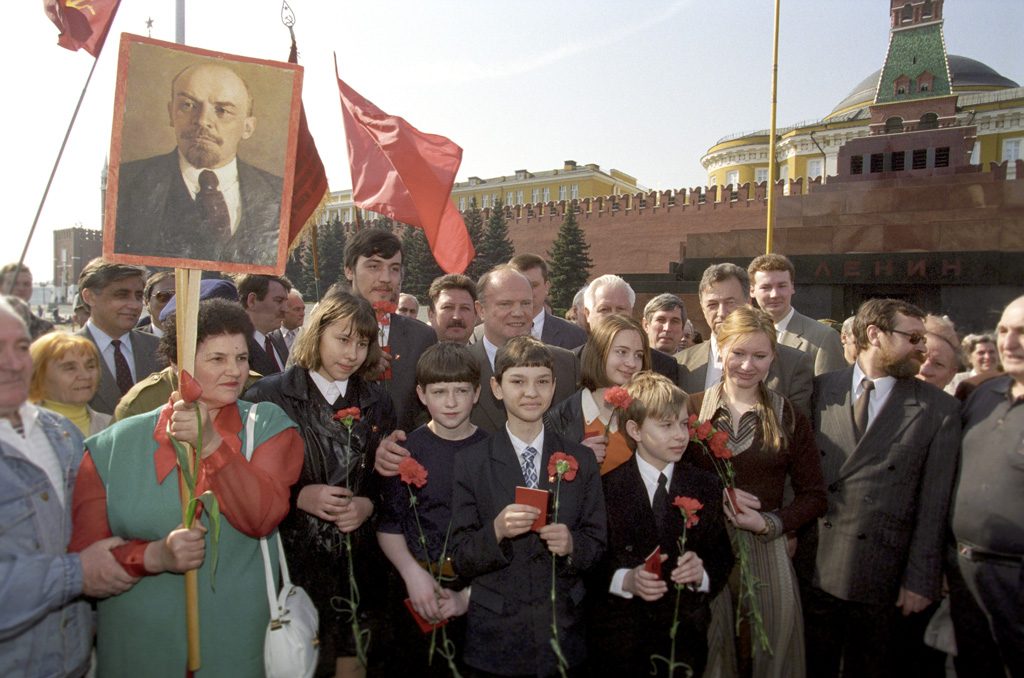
509, 624
447, 383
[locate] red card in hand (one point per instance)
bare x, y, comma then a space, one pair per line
425, 626
652, 563
536, 498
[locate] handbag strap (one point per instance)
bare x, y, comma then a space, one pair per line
275, 609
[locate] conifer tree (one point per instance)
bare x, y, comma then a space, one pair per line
330, 254
475, 228
419, 263
570, 261
497, 247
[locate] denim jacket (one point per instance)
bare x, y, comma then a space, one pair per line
45, 626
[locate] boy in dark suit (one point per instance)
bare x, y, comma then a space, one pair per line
632, 618
509, 565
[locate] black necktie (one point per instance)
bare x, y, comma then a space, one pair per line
268, 346
660, 504
860, 408
213, 209
122, 373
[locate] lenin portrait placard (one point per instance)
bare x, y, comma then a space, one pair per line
202, 159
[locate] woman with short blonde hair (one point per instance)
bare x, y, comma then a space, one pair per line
65, 377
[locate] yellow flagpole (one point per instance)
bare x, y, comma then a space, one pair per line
772, 163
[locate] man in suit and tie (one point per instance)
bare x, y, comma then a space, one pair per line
114, 293
608, 295
200, 201
773, 278
505, 304
723, 288
889, 451
452, 309
664, 320
264, 297
550, 329
294, 315
373, 267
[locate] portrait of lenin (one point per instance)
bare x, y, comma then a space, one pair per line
215, 191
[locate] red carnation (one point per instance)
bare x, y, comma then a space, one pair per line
688, 506
188, 387
382, 309
618, 397
563, 466
704, 430
412, 472
350, 413
718, 446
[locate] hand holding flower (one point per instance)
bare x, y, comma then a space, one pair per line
423, 592
354, 512
454, 603
646, 585
599, 445
184, 425
689, 569
746, 515
558, 538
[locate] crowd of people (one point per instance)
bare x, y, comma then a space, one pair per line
500, 491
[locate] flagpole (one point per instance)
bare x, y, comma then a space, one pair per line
772, 162
53, 173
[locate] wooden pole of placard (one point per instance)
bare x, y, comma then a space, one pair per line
186, 284
772, 138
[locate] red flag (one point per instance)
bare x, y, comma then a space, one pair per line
309, 189
407, 175
83, 24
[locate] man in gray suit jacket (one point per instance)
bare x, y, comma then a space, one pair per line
773, 276
889, 452
724, 288
550, 329
114, 293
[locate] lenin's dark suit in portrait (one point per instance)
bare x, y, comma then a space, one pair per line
157, 216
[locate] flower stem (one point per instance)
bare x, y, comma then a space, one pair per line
556, 646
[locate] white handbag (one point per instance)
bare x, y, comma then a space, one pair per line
291, 646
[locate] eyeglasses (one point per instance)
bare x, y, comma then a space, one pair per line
914, 338
163, 297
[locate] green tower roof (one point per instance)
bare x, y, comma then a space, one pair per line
913, 51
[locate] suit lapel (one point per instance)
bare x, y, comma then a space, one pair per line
488, 405
696, 364
508, 474
107, 394
837, 417
901, 408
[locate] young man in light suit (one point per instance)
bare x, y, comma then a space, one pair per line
114, 293
772, 276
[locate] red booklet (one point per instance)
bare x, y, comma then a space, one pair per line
425, 626
652, 563
537, 498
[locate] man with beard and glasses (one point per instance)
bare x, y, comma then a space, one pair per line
888, 447
452, 309
200, 201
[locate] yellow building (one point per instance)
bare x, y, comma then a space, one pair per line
807, 150
572, 181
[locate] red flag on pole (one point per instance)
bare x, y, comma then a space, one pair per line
407, 175
83, 24
309, 189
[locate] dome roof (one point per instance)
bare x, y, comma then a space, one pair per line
966, 73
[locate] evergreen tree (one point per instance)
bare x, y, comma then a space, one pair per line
293, 269
330, 252
570, 261
475, 228
420, 266
497, 247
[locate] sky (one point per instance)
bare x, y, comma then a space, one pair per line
642, 87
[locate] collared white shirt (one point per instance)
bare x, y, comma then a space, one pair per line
714, 373
520, 447
331, 390
538, 325
592, 410
384, 331
261, 340
883, 387
290, 336
157, 332
490, 349
783, 324
35, 446
227, 184
649, 474
107, 349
